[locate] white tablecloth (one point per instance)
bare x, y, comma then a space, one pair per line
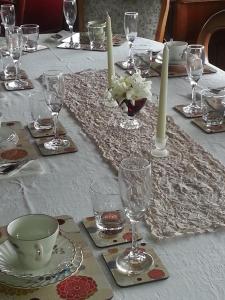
195, 263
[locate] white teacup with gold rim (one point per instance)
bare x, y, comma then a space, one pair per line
33, 237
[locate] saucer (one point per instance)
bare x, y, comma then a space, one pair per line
159, 59
8, 137
66, 260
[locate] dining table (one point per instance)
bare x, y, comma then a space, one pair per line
195, 262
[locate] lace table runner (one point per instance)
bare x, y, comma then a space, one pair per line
188, 185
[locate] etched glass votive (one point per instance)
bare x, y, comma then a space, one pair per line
213, 107
8, 66
96, 33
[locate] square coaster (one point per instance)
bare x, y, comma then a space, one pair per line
22, 75
27, 87
81, 47
39, 48
156, 272
179, 108
213, 129
145, 73
45, 152
102, 240
45, 133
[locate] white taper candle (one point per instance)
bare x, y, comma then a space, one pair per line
111, 70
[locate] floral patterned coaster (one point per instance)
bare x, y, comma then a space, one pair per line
180, 107
45, 133
28, 86
102, 240
89, 283
46, 152
145, 73
157, 271
213, 129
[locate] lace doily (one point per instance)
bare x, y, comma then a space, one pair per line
188, 185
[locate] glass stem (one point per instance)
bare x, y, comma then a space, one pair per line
55, 120
130, 59
71, 34
17, 70
134, 245
193, 94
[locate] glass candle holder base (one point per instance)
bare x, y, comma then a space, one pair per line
160, 147
108, 100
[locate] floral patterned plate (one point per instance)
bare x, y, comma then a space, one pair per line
66, 260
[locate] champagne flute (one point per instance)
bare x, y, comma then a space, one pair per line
130, 28
8, 16
135, 191
194, 64
15, 46
54, 96
70, 14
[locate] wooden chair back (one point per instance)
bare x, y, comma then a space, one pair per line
160, 31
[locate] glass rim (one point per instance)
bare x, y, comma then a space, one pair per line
131, 13
7, 5
96, 24
196, 46
209, 92
148, 164
29, 25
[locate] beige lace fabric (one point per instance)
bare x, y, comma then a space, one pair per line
188, 185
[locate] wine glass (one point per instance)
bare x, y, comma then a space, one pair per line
70, 14
15, 46
135, 190
130, 28
8, 16
194, 64
54, 96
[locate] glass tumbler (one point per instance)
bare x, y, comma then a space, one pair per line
30, 37
107, 205
96, 33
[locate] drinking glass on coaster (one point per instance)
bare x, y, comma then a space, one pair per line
70, 14
130, 29
135, 189
54, 97
40, 114
30, 37
96, 33
107, 206
195, 57
33, 238
213, 107
8, 16
15, 44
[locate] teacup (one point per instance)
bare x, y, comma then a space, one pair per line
176, 51
33, 238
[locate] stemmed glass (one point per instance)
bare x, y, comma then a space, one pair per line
54, 96
8, 16
70, 14
135, 190
130, 28
15, 46
194, 64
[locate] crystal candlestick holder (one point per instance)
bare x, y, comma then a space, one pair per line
160, 147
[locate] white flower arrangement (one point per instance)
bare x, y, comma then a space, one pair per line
132, 88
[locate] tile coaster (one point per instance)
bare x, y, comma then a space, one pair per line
45, 152
180, 70
102, 240
23, 149
22, 74
179, 108
39, 48
45, 133
145, 73
80, 47
213, 129
156, 272
88, 283
28, 87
